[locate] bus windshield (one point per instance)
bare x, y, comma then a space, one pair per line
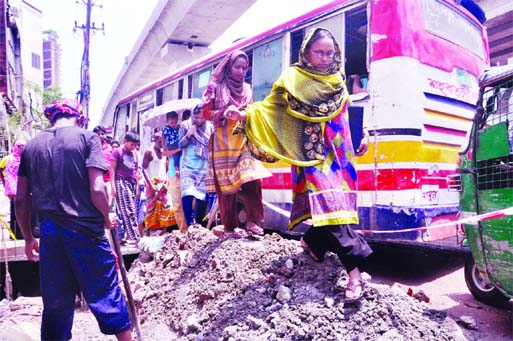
443, 21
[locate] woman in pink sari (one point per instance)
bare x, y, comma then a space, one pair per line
9, 176
232, 171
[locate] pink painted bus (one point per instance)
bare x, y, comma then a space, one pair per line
415, 66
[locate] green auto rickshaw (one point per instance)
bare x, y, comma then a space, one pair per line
485, 181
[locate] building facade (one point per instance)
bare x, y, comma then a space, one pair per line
11, 82
51, 59
21, 68
31, 34
499, 14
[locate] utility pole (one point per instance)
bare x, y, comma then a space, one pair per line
85, 86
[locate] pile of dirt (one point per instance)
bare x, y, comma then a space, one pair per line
198, 287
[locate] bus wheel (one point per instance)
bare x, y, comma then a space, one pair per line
480, 288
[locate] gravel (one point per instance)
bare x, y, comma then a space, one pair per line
198, 287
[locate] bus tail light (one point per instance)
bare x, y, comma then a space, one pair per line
454, 183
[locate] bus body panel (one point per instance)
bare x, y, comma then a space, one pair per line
416, 29
402, 179
422, 89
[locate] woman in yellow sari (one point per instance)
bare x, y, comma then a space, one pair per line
304, 121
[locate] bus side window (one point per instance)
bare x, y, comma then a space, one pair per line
199, 82
355, 48
249, 75
267, 67
174, 92
296, 38
159, 96
180, 89
189, 86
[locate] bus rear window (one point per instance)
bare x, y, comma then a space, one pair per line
445, 22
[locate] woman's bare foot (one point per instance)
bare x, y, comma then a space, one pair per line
305, 247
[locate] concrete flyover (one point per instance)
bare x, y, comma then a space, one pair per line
178, 32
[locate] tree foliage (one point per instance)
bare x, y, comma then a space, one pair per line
34, 120
51, 93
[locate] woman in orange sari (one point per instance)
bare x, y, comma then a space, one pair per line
231, 168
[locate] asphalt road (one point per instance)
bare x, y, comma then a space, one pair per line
440, 276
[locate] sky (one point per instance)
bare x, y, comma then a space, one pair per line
124, 21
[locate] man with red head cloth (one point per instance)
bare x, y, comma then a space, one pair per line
61, 178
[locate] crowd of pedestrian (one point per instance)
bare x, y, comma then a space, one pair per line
72, 178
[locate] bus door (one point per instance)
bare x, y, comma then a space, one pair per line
350, 30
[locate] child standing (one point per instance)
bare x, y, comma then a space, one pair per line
171, 150
123, 181
170, 134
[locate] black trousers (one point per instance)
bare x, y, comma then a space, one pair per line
348, 245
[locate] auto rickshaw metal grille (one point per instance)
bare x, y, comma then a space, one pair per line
498, 106
495, 173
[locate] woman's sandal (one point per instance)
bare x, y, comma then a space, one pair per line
218, 230
306, 248
230, 235
253, 229
352, 286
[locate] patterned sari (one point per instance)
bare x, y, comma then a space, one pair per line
159, 214
230, 164
304, 122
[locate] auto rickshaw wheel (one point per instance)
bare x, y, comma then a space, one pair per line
480, 288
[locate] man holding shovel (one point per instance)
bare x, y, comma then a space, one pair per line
61, 178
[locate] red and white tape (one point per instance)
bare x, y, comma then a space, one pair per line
469, 220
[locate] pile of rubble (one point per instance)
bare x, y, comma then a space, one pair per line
198, 287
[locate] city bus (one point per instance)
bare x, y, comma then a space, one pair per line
415, 64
